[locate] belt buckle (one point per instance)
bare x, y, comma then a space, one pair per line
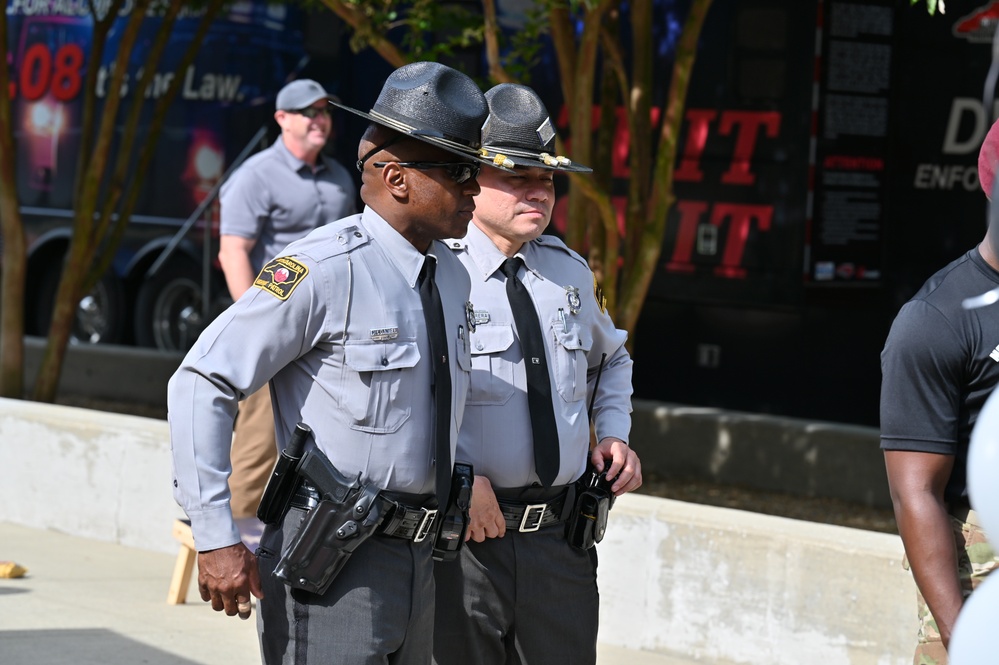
424, 528
542, 507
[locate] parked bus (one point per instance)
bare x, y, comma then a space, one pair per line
827, 167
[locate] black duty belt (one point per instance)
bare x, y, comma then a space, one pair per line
527, 517
401, 520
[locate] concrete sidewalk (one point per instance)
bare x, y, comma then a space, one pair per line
89, 602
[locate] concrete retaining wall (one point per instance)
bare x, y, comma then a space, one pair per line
718, 585
800, 457
727, 586
87, 473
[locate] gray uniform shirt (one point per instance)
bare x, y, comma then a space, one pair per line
336, 324
496, 433
276, 198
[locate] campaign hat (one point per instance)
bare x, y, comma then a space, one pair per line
300, 94
433, 103
520, 130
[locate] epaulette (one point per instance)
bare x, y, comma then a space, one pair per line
347, 239
456, 244
554, 242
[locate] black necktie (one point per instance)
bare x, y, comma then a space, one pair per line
440, 378
539, 387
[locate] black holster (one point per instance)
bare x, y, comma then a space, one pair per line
347, 514
454, 516
588, 521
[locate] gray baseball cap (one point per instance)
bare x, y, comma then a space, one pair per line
300, 94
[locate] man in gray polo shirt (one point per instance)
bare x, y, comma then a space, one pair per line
278, 196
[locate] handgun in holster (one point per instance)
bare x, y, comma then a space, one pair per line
454, 517
348, 513
588, 522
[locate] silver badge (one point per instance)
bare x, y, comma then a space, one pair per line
470, 315
546, 132
384, 334
572, 297
481, 316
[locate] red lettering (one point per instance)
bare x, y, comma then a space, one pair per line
698, 122
35, 72
853, 163
748, 123
66, 79
741, 218
621, 142
686, 234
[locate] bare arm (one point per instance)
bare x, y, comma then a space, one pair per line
917, 482
234, 256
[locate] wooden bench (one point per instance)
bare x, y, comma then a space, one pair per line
184, 566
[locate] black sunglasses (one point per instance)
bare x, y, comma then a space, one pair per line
460, 172
311, 112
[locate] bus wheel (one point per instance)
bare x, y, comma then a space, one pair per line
168, 307
100, 316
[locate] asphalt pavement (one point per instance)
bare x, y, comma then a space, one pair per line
89, 602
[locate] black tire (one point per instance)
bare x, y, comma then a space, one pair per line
100, 316
168, 307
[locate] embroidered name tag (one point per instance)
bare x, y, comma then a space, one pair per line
280, 277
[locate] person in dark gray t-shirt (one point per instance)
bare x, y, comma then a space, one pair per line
276, 197
939, 365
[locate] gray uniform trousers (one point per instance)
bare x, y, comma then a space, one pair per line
378, 610
525, 598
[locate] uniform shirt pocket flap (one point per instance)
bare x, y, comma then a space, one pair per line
491, 339
573, 339
381, 356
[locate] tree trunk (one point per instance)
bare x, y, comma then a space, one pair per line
661, 198
14, 250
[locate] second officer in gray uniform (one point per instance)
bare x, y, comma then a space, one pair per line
520, 592
336, 324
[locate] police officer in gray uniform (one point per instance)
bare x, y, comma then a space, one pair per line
336, 324
519, 591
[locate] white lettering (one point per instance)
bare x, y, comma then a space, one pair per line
228, 86
159, 85
945, 177
75, 8
210, 87
188, 91
952, 145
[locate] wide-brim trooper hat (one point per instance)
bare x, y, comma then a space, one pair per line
433, 103
520, 131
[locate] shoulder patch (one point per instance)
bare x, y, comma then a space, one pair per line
598, 295
280, 277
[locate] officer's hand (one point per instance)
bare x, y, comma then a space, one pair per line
226, 577
625, 467
484, 515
